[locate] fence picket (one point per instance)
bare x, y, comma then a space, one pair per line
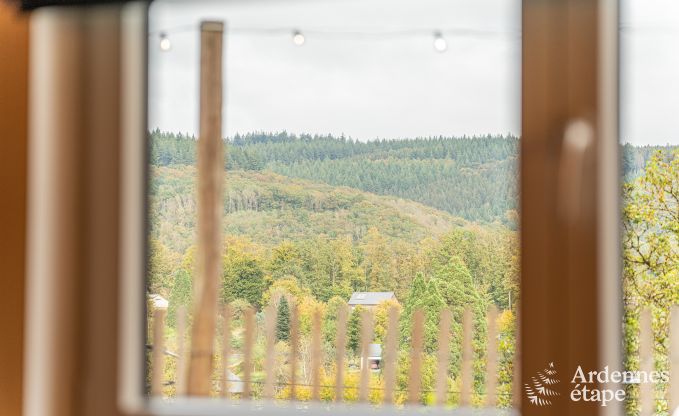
340, 348
269, 358
417, 341
646, 362
316, 356
294, 348
180, 371
443, 357
158, 352
248, 346
673, 390
491, 358
366, 339
389, 362
226, 348
467, 359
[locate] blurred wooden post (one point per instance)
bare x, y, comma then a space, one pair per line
366, 339
226, 348
491, 358
443, 357
269, 359
517, 391
158, 353
673, 390
294, 348
316, 356
180, 371
390, 346
210, 178
646, 362
340, 348
415, 375
467, 359
248, 347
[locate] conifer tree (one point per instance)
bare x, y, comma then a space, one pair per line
179, 295
354, 330
283, 320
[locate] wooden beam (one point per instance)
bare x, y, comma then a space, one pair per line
13, 160
210, 178
570, 297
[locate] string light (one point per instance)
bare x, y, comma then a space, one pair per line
298, 38
165, 44
440, 43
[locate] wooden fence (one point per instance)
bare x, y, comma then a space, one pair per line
335, 389
319, 389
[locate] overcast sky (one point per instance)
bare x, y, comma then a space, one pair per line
368, 68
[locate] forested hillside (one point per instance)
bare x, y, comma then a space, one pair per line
474, 178
357, 240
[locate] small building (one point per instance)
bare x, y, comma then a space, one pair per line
235, 384
369, 300
374, 358
158, 301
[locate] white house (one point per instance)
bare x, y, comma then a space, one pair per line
369, 299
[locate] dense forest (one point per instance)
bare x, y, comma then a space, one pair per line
310, 219
469, 177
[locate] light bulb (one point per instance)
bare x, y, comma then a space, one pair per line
165, 44
440, 43
298, 38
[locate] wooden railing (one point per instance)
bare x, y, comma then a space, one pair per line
323, 376
325, 373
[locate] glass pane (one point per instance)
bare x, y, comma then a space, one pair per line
649, 135
370, 165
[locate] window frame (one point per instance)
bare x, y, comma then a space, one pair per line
569, 68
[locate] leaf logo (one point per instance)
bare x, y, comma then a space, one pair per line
540, 390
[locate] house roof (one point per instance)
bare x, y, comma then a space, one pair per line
158, 301
370, 298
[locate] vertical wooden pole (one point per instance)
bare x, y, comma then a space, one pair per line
673, 390
646, 362
517, 366
366, 339
467, 359
316, 356
390, 346
248, 347
491, 358
14, 50
210, 178
294, 348
226, 349
269, 360
180, 371
340, 348
415, 375
158, 353
443, 357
